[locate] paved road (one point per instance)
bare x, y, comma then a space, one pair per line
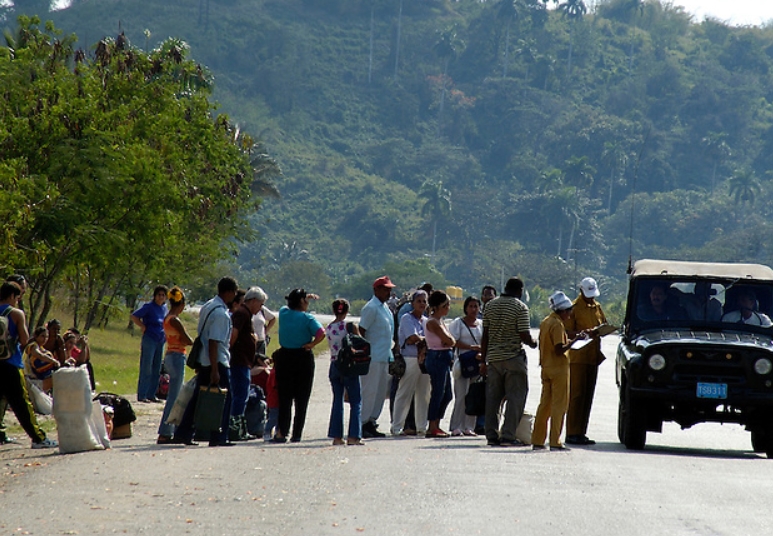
704, 481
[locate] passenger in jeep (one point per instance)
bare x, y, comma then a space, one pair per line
658, 306
747, 311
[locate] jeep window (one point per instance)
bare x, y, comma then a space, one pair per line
701, 304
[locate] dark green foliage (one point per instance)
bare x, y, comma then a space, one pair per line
541, 126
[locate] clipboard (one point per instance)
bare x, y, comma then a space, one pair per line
605, 329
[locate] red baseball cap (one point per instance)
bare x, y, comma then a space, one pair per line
383, 281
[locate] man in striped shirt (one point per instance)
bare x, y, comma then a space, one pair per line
505, 330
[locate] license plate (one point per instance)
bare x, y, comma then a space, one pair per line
712, 390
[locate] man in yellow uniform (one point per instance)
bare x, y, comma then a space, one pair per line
584, 362
553, 345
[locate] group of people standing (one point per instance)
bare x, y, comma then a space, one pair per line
496, 330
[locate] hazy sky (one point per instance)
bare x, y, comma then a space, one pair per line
737, 12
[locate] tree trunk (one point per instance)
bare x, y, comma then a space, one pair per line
397, 43
370, 53
434, 237
507, 51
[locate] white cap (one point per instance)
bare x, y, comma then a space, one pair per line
589, 287
560, 302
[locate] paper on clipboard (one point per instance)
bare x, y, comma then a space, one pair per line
576, 345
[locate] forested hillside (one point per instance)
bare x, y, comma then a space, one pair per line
481, 138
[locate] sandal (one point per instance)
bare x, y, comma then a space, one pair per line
338, 441
438, 434
355, 441
164, 440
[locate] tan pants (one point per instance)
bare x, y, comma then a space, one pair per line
553, 404
582, 386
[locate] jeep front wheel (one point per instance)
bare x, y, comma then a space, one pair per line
631, 422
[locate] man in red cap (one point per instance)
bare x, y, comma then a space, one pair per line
377, 325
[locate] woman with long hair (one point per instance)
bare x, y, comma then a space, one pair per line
468, 332
440, 357
177, 339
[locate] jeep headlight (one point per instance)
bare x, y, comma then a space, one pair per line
657, 362
763, 366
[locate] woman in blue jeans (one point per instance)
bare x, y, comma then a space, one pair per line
335, 332
177, 339
150, 319
440, 357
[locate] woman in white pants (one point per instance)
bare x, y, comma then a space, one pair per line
414, 385
468, 331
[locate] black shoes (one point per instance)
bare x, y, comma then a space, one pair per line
579, 440
370, 430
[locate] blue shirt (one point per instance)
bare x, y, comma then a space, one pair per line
152, 315
409, 325
13, 331
217, 328
377, 320
296, 328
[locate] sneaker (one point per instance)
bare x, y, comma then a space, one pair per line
6, 440
45, 444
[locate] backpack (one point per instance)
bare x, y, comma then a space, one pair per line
353, 358
7, 343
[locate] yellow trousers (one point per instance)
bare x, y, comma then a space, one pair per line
553, 404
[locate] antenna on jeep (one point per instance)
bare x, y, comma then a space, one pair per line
633, 199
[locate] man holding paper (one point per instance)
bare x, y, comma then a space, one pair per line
584, 361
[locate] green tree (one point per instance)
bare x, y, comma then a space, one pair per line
718, 151
446, 49
574, 10
122, 165
744, 187
437, 205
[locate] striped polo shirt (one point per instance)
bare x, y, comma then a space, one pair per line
505, 317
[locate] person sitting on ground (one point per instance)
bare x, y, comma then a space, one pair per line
747, 311
55, 342
77, 352
42, 363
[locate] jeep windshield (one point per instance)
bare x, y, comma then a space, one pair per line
704, 303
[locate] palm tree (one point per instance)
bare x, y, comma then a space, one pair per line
574, 10
578, 172
616, 157
445, 47
744, 187
636, 7
436, 206
718, 150
509, 11
397, 40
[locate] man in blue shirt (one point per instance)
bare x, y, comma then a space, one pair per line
12, 384
377, 325
215, 358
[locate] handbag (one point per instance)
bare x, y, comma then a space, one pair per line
475, 400
192, 361
397, 366
468, 361
469, 364
181, 402
208, 415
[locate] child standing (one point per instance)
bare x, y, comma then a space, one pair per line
272, 403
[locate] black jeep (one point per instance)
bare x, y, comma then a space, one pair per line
697, 346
